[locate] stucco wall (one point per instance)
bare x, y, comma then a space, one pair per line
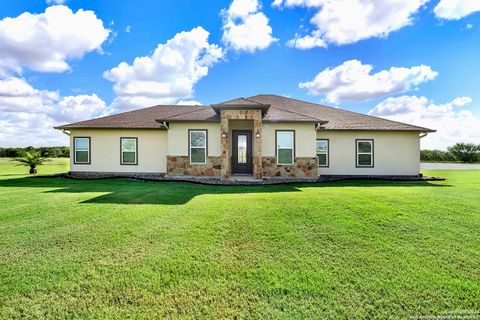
178, 137
105, 150
395, 153
305, 136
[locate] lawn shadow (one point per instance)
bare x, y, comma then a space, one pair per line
124, 191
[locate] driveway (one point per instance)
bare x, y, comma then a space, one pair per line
448, 166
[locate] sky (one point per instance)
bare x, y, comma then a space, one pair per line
415, 61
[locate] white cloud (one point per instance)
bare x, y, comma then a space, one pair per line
46, 41
245, 28
128, 29
348, 21
353, 81
452, 122
56, 1
168, 75
307, 42
28, 115
456, 9
189, 103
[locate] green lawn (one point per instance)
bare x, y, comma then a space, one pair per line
129, 249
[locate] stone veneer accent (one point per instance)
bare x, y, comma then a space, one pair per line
256, 116
180, 166
302, 167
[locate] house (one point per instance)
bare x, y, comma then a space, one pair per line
262, 136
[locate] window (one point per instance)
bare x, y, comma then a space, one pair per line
364, 153
198, 146
285, 147
322, 152
81, 146
128, 152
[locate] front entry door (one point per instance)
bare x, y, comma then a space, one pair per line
241, 152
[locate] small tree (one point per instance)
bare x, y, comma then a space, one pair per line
32, 160
465, 152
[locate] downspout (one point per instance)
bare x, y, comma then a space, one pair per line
66, 132
423, 134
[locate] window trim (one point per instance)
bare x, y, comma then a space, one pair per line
372, 153
121, 151
328, 152
294, 148
190, 146
75, 150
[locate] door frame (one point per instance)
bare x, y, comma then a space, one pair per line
249, 165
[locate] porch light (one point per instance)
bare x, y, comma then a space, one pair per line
258, 134
224, 134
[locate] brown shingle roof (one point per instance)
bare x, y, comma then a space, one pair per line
241, 101
137, 119
338, 119
281, 109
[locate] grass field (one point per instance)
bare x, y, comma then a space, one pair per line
129, 249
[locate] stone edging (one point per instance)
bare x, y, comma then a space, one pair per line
217, 181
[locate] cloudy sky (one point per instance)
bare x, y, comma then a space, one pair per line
62, 61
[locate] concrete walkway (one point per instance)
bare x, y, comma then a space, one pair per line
448, 166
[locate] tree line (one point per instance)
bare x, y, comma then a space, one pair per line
45, 152
459, 152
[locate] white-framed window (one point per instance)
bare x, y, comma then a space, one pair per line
364, 148
322, 152
81, 150
129, 150
285, 140
197, 141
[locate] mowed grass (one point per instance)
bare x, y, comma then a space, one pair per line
130, 249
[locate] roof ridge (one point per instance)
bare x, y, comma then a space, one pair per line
263, 104
301, 114
184, 113
354, 112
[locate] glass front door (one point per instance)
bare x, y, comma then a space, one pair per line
241, 152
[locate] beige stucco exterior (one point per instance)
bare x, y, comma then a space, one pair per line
105, 150
178, 137
395, 152
305, 136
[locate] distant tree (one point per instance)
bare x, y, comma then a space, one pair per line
437, 155
31, 160
46, 152
465, 152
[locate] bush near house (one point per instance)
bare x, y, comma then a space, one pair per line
46, 152
460, 152
32, 160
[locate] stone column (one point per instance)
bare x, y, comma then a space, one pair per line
225, 146
257, 145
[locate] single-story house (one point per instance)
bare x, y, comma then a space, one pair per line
261, 136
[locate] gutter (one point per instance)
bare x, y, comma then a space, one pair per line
65, 132
163, 123
423, 134
319, 125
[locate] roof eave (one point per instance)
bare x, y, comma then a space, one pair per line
218, 107
109, 127
378, 129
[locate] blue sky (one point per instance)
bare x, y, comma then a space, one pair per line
243, 48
